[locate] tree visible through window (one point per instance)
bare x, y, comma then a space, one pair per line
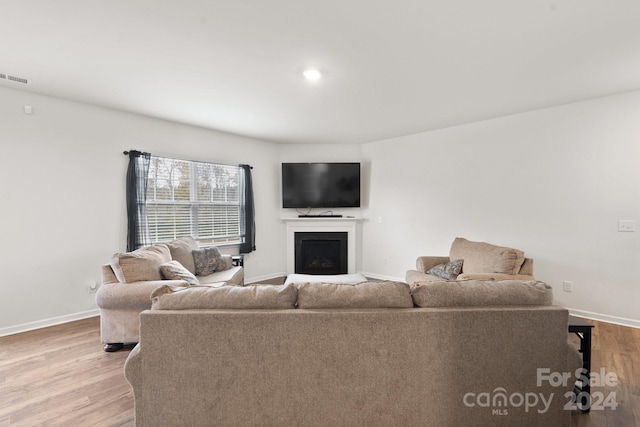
187, 198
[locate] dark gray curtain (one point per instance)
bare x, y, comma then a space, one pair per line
247, 212
137, 171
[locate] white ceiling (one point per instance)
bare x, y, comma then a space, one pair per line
392, 68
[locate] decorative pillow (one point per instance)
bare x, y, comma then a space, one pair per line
140, 265
221, 296
477, 293
182, 251
480, 257
207, 261
361, 295
447, 271
173, 270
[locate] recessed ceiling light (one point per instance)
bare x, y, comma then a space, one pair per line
312, 74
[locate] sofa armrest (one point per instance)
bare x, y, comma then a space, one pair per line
132, 366
424, 263
127, 295
133, 375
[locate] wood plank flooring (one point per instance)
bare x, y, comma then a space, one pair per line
616, 350
59, 376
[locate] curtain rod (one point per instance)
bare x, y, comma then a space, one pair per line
126, 153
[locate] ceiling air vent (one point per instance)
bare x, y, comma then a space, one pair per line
16, 79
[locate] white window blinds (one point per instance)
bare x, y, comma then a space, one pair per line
187, 198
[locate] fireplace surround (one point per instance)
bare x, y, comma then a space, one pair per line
346, 225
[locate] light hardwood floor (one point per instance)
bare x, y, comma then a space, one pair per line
59, 376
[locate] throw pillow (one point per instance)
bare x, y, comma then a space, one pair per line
208, 261
447, 271
175, 271
181, 250
140, 265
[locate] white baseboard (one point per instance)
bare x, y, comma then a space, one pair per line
25, 327
633, 323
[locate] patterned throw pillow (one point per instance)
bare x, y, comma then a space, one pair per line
208, 261
448, 271
175, 271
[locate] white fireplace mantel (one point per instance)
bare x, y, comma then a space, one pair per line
323, 225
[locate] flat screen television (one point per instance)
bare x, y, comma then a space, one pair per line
320, 185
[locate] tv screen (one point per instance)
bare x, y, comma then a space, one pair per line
321, 185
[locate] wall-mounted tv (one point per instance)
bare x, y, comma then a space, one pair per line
320, 185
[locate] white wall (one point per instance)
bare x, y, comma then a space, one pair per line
553, 183
63, 199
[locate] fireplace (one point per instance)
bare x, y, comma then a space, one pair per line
321, 252
347, 225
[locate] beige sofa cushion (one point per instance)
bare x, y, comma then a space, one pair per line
173, 270
361, 295
477, 293
182, 251
141, 264
480, 257
220, 296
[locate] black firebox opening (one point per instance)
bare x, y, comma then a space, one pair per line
321, 253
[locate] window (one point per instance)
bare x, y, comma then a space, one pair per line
186, 198
170, 198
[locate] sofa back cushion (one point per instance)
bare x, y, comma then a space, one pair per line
181, 250
476, 293
221, 296
361, 295
141, 264
480, 257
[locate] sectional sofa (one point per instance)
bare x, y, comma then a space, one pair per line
367, 354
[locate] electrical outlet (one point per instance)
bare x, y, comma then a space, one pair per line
626, 225
567, 286
92, 287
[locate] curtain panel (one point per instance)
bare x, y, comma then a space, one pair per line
248, 225
136, 195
